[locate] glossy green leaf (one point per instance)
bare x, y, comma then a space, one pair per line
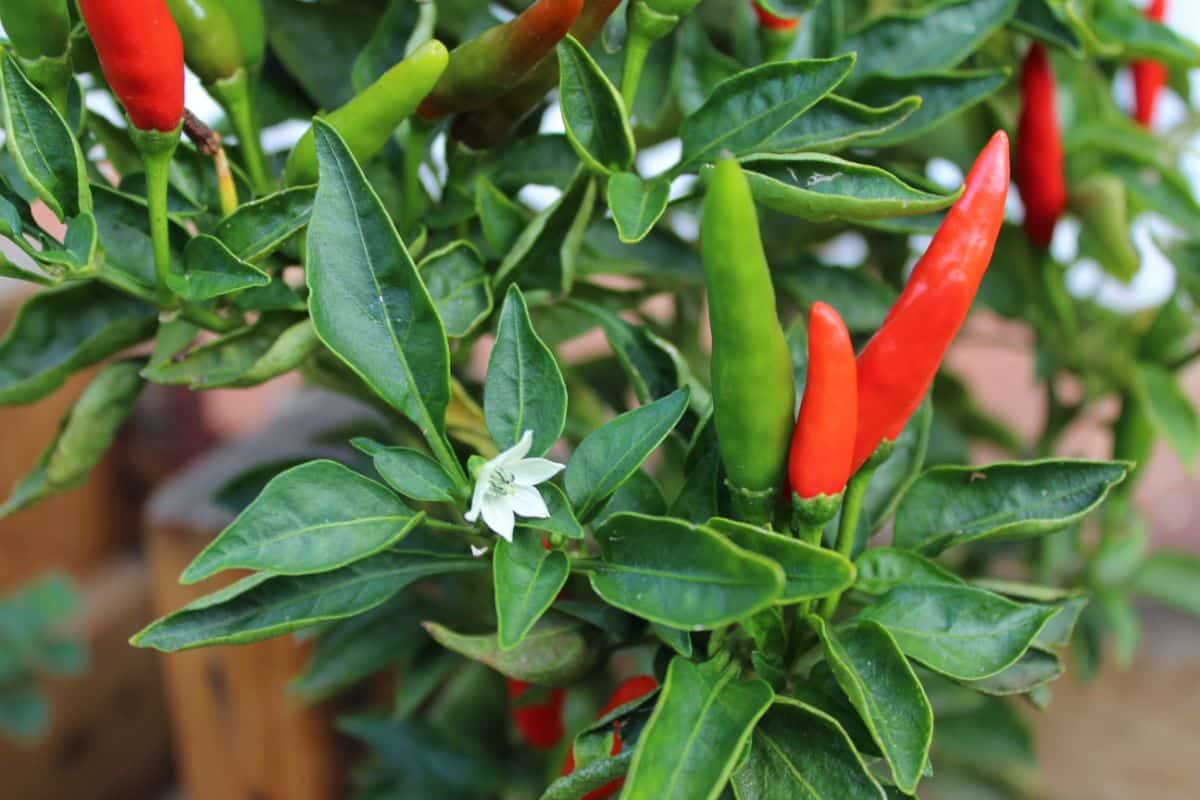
556, 651
1035, 668
367, 301
85, 436
41, 144
950, 506
596, 122
749, 109
800, 753
543, 256
882, 687
125, 237
809, 572
932, 38
636, 204
264, 605
211, 270
882, 569
1039, 19
59, 332
527, 580
459, 285
525, 390
652, 364
1171, 411
836, 122
261, 227
960, 631
703, 719
681, 575
943, 95
610, 454
410, 472
1140, 37
312, 518
1171, 578
562, 518
861, 299
638, 495
502, 219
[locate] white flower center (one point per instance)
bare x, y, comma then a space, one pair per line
501, 483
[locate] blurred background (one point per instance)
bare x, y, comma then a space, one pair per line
96, 564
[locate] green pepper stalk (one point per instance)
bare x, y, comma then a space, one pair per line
40, 32
251, 27
752, 383
649, 21
212, 45
368, 120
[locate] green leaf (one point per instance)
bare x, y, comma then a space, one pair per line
636, 204
312, 518
1171, 411
1171, 578
652, 364
610, 454
902, 467
861, 299
561, 520
883, 688
410, 472
882, 569
639, 495
800, 753
1140, 37
527, 580
959, 631
211, 270
943, 95
525, 390
41, 144
681, 575
264, 605
749, 109
1035, 668
543, 256
950, 505
59, 332
906, 43
125, 237
594, 115
88, 431
502, 220
836, 122
459, 285
556, 651
809, 572
367, 301
702, 721
1038, 19
261, 227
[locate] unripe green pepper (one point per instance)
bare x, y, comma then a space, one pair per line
752, 383
368, 120
37, 28
211, 44
251, 27
1101, 203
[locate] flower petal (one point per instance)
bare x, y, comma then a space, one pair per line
498, 515
528, 502
517, 452
480, 492
532, 471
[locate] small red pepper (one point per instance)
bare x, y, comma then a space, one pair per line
1149, 76
629, 690
823, 442
772, 22
1040, 173
540, 724
899, 363
141, 54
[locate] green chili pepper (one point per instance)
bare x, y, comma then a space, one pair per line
211, 44
753, 389
251, 27
370, 118
40, 32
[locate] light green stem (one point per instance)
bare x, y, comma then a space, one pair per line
637, 47
856, 492
236, 97
157, 150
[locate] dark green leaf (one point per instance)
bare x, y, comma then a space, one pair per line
593, 114
882, 569
809, 572
1035, 668
543, 256
636, 204
527, 580
1171, 578
211, 270
943, 95
459, 285
556, 651
836, 122
410, 472
1171, 411
259, 228
561, 520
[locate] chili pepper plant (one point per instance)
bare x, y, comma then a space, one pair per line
644, 306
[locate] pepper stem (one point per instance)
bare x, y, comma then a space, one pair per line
235, 96
856, 493
753, 507
646, 26
157, 149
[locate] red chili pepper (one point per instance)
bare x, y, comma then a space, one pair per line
823, 442
141, 54
898, 364
629, 690
772, 22
1149, 76
540, 724
1039, 167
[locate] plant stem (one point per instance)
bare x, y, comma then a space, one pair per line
637, 47
157, 149
235, 95
856, 492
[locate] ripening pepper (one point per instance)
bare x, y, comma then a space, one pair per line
823, 441
778, 33
370, 118
899, 363
1039, 169
37, 28
629, 690
495, 61
1149, 77
540, 724
494, 122
752, 382
141, 55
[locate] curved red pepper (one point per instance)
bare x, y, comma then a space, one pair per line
1039, 167
1149, 76
540, 724
823, 442
629, 690
772, 22
141, 54
899, 363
